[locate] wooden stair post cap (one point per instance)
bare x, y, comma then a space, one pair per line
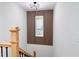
13, 29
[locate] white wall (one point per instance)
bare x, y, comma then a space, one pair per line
66, 33
12, 15
66, 30
41, 50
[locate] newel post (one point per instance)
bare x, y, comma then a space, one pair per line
15, 41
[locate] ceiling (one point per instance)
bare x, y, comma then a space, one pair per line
42, 5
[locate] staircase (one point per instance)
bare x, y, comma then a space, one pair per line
16, 51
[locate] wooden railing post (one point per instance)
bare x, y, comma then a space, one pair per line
15, 41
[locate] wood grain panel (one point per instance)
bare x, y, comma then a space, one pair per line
48, 30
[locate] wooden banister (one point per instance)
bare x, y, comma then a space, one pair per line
5, 44
25, 53
15, 41
14, 44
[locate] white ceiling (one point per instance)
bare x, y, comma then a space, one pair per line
42, 5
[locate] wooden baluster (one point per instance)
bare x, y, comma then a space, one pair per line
6, 51
19, 53
1, 51
22, 54
34, 52
15, 41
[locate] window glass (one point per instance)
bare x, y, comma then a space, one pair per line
39, 26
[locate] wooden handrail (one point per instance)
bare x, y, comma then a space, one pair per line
24, 52
5, 44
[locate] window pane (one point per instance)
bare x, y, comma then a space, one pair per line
39, 26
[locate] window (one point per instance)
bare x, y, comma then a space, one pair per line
39, 26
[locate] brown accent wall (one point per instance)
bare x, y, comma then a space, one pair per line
48, 27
